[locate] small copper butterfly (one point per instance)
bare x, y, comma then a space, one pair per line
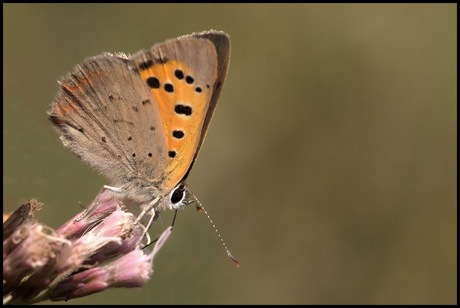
140, 120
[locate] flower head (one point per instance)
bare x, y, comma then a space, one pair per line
99, 248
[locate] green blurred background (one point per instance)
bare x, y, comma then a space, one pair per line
329, 166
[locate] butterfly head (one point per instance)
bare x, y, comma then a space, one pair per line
178, 198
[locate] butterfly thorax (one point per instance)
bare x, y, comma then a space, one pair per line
143, 192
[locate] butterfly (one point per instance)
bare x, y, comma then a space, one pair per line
141, 120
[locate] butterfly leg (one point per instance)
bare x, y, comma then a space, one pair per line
114, 189
153, 217
151, 210
148, 208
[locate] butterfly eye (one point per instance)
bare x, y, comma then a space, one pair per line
178, 195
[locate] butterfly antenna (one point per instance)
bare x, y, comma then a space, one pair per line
229, 254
